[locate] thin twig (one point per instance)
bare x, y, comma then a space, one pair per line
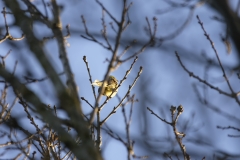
152, 112
110, 15
128, 92
216, 53
121, 82
87, 102
90, 36
104, 31
191, 74
90, 77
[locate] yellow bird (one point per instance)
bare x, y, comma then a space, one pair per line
110, 87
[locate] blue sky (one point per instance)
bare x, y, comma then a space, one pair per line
163, 82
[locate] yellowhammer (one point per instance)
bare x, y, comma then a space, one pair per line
110, 87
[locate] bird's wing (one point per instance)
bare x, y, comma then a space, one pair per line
97, 83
